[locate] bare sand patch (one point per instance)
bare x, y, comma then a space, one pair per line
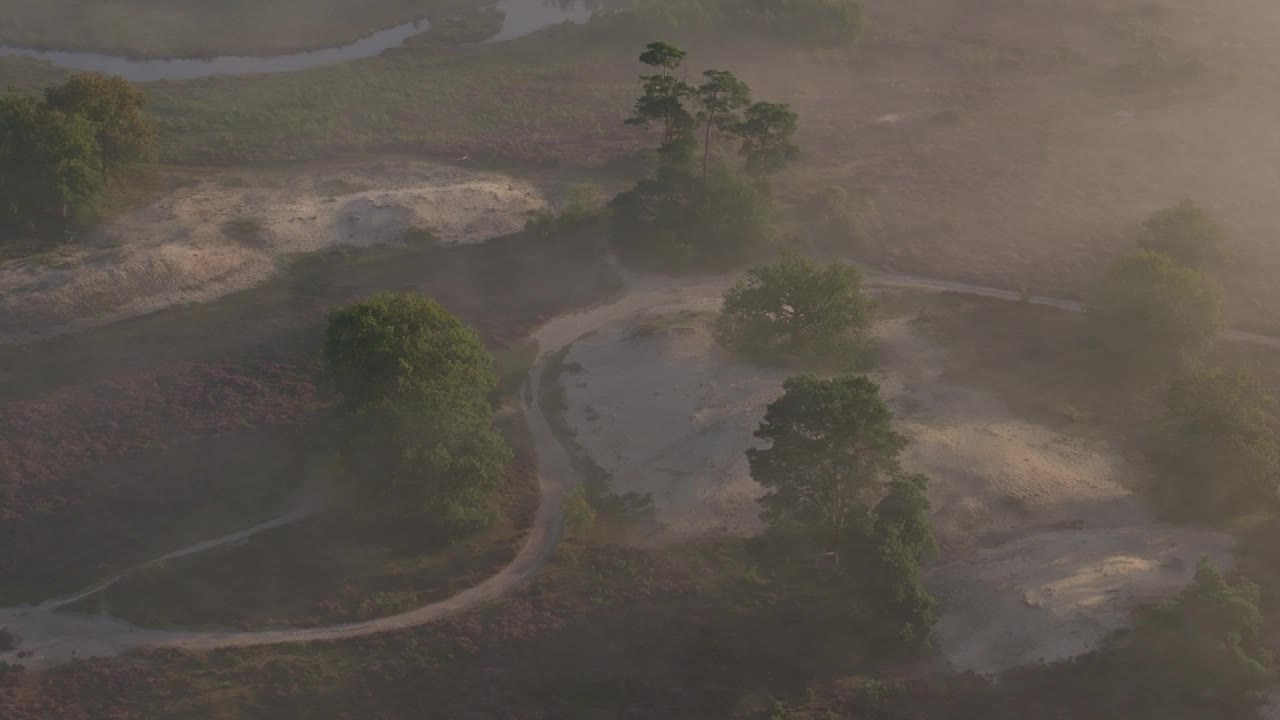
661, 407
1045, 547
226, 231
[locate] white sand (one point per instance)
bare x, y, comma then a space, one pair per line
1045, 548
184, 247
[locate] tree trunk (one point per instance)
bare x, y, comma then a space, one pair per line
706, 151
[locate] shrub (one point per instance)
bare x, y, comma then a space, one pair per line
1151, 310
1199, 654
1186, 233
676, 221
1217, 454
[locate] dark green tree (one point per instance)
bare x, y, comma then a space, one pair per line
1186, 233
678, 222
663, 100
796, 307
720, 97
1149, 309
50, 163
835, 490
892, 605
115, 108
1200, 654
415, 383
404, 345
766, 131
1217, 455
831, 448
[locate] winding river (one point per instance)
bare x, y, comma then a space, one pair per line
521, 17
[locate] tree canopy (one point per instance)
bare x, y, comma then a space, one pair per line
50, 161
1151, 309
1217, 455
684, 216
415, 382
831, 446
1201, 650
766, 129
396, 345
1186, 233
56, 153
796, 307
835, 490
114, 107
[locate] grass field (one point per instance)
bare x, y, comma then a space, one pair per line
192, 28
323, 571
115, 439
984, 145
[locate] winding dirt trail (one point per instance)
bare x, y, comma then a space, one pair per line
52, 638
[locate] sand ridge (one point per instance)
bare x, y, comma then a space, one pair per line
226, 231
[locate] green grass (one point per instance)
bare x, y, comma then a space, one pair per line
322, 571
555, 97
194, 28
528, 100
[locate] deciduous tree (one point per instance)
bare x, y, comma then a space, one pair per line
1153, 310
831, 447
415, 382
1217, 455
115, 108
796, 307
49, 161
766, 131
1186, 233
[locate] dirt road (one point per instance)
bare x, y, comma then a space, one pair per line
53, 637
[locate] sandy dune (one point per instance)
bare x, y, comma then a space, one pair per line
1045, 548
225, 232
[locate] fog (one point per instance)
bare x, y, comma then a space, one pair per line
646, 358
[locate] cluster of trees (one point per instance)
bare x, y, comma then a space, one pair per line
1200, 654
1160, 307
843, 516
1216, 455
415, 384
842, 511
794, 308
58, 151
693, 211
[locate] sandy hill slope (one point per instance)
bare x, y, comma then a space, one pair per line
226, 232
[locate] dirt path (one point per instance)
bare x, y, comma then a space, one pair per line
52, 637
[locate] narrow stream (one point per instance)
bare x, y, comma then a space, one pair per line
522, 17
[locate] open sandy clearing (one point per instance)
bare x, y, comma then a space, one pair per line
225, 232
1045, 548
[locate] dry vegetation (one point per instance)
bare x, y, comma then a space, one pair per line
116, 436
1014, 143
1017, 143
